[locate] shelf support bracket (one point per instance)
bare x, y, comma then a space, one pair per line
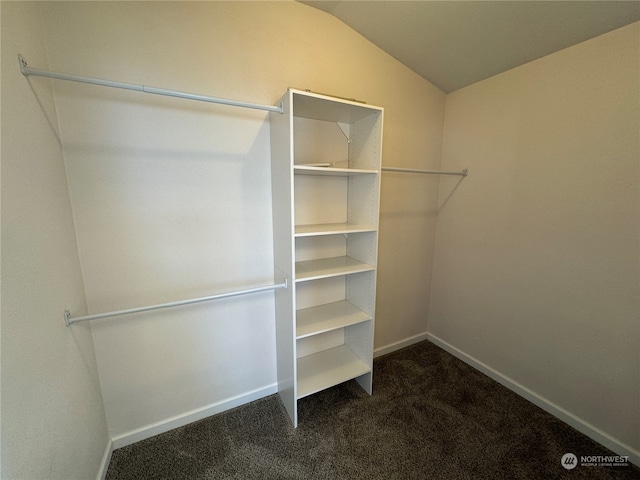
346, 130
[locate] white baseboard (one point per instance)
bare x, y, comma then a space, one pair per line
181, 420
567, 417
378, 352
579, 424
106, 458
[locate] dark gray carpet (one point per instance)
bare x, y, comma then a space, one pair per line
431, 416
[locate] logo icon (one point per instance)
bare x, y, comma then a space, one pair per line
569, 461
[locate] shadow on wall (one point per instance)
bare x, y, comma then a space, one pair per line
47, 114
449, 195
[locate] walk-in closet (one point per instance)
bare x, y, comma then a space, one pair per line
209, 204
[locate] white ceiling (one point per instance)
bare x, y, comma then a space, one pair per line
456, 43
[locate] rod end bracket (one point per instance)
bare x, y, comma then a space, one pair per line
465, 172
23, 65
67, 318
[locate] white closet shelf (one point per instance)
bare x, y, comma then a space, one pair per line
331, 316
331, 229
329, 171
330, 109
328, 368
329, 267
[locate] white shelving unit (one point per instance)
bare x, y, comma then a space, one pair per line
326, 162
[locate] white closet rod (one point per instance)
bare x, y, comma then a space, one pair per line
68, 319
463, 173
26, 70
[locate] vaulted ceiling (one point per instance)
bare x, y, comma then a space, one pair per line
456, 43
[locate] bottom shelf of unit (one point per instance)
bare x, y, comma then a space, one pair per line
328, 368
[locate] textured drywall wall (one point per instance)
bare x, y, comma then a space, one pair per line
172, 199
53, 421
536, 270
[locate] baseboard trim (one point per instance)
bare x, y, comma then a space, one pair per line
378, 352
106, 458
567, 417
148, 431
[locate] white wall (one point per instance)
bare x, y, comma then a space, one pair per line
172, 199
53, 422
536, 274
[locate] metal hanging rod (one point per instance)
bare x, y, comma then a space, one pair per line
27, 70
69, 320
463, 173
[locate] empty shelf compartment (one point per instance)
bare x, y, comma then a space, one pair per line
331, 316
328, 368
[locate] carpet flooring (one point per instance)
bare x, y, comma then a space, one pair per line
431, 416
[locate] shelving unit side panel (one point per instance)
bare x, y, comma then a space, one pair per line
365, 148
360, 290
366, 382
364, 199
281, 126
359, 339
363, 247
286, 346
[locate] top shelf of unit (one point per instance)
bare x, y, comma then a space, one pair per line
331, 109
329, 171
